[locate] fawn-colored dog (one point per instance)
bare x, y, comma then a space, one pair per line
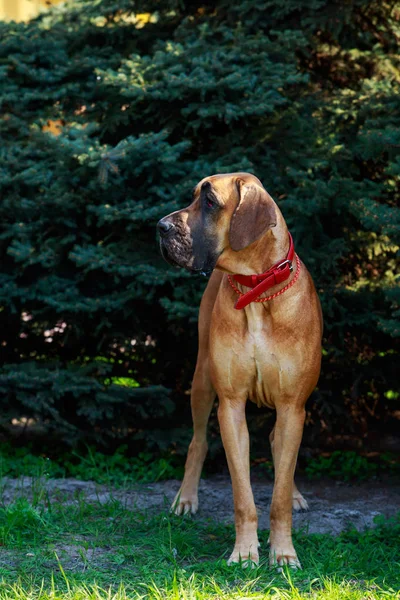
266, 347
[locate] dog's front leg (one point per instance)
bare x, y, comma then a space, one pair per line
235, 437
299, 502
202, 399
288, 434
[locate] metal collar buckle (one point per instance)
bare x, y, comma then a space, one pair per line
283, 265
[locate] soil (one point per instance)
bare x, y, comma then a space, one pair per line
334, 506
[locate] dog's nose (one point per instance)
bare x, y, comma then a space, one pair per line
164, 227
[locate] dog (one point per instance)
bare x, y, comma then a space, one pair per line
260, 330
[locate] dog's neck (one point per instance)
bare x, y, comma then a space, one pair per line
272, 247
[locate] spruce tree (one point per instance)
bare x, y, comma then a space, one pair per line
111, 113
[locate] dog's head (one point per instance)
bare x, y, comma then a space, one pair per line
228, 212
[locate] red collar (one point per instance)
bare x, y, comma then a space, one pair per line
276, 274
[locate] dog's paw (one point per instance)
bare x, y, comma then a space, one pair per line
279, 558
246, 555
299, 502
184, 504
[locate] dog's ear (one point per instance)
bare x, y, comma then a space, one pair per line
254, 215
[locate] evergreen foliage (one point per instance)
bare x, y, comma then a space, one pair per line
111, 113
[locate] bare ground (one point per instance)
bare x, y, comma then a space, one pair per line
333, 506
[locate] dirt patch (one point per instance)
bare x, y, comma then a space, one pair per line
334, 506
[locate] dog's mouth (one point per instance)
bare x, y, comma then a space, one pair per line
167, 256
171, 260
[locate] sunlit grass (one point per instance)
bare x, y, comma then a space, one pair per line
72, 549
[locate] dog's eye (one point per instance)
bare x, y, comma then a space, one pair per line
210, 203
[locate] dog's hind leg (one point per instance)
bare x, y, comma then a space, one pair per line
298, 501
201, 399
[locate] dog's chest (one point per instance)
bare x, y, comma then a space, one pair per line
250, 364
266, 369
252, 355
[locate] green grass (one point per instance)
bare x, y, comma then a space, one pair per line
119, 468
71, 549
350, 466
